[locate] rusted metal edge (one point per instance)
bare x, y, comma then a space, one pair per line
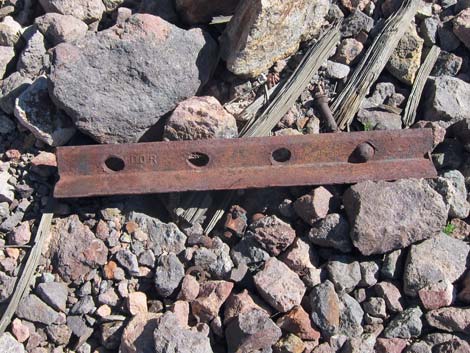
243, 163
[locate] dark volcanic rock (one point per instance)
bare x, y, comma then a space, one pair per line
117, 83
380, 216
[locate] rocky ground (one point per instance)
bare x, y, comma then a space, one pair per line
374, 267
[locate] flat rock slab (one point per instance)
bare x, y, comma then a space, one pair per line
437, 259
385, 216
117, 83
33, 309
262, 32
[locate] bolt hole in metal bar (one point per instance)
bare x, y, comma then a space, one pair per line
243, 163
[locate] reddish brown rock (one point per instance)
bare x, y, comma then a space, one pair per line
44, 159
391, 294
279, 285
181, 310
74, 249
202, 11
297, 321
300, 256
199, 118
19, 330
348, 50
436, 295
438, 131
314, 206
137, 303
273, 234
450, 319
240, 303
325, 306
461, 230
138, 334
21, 235
212, 295
189, 288
390, 345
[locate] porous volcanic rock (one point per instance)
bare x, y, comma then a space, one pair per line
117, 83
373, 209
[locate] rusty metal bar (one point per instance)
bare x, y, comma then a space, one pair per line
243, 163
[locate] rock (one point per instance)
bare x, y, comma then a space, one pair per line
272, 234
202, 11
436, 295
356, 23
164, 65
277, 24
462, 26
189, 288
21, 235
86, 10
9, 344
391, 294
376, 307
74, 249
85, 305
350, 318
251, 331
168, 274
11, 88
325, 306
239, 303
128, 261
171, 335
58, 28
369, 273
36, 112
19, 330
79, 329
298, 322
337, 71
59, 334
406, 58
355, 4
454, 346
34, 59
406, 324
248, 252
163, 237
447, 64
428, 30
314, 206
344, 273
289, 344
33, 309
448, 41
300, 256
7, 191
464, 294
444, 102
390, 345
332, 231
137, 337
54, 294
450, 319
279, 285
212, 295
110, 334
216, 261
447, 263
6, 124
379, 119
10, 32
137, 303
200, 118
7, 54
451, 186
348, 50
373, 209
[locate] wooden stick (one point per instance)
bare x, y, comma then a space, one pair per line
422, 75
348, 102
26, 278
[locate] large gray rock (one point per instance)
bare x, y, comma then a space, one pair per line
451, 185
54, 294
9, 344
262, 32
168, 274
117, 83
344, 273
34, 59
163, 237
170, 336
85, 10
406, 324
436, 259
447, 99
36, 112
251, 331
33, 309
380, 216
325, 306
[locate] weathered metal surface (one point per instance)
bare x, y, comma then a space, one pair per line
243, 163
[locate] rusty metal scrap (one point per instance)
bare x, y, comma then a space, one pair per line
243, 163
